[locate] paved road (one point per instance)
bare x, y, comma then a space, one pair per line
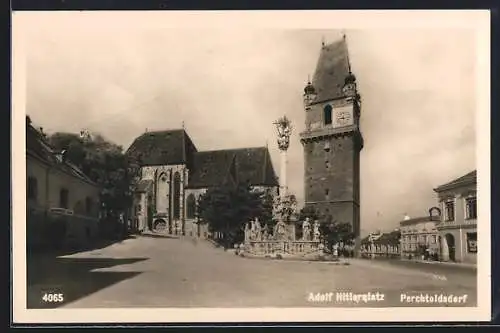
161, 272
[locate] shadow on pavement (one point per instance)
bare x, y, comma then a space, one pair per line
437, 268
151, 235
74, 278
95, 245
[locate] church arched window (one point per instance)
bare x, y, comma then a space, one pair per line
191, 206
161, 193
327, 114
177, 195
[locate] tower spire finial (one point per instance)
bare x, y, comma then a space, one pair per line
344, 37
308, 78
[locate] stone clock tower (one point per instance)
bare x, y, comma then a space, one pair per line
332, 138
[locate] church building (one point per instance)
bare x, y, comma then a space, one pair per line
332, 139
174, 174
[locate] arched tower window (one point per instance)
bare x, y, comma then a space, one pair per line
191, 206
177, 195
327, 114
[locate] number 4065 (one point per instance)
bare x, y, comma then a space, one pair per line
53, 298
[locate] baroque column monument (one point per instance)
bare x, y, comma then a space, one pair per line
284, 127
286, 225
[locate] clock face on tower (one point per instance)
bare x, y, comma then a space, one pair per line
343, 117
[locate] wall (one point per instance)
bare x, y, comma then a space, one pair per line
83, 225
315, 113
460, 226
458, 196
340, 178
51, 181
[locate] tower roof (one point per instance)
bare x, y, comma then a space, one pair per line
332, 70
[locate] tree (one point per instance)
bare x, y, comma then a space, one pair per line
265, 213
285, 207
394, 238
227, 209
103, 162
334, 233
308, 212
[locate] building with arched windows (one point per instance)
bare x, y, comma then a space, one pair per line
174, 174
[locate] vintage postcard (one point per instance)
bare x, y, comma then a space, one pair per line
203, 167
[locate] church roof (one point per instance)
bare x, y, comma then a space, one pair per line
331, 71
206, 168
162, 148
252, 165
469, 178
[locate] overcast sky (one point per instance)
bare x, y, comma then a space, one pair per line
229, 85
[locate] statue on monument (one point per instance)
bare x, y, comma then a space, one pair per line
316, 232
265, 233
284, 127
306, 230
256, 230
248, 231
280, 231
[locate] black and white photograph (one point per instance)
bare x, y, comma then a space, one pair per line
238, 166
